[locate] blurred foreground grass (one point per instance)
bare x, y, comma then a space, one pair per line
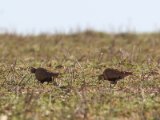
81, 57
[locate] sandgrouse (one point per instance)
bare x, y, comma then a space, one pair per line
43, 75
113, 75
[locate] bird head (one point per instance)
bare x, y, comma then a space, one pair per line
32, 70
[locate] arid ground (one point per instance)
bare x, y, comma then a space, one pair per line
80, 57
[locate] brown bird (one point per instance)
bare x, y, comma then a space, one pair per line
113, 75
43, 75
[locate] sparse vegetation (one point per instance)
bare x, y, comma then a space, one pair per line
81, 57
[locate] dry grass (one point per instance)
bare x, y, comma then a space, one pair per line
81, 57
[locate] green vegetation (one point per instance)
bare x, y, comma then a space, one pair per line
81, 57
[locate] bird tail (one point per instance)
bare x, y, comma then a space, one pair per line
55, 74
127, 73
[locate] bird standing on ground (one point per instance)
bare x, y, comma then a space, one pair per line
113, 75
43, 75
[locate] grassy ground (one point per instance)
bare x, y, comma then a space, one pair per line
80, 58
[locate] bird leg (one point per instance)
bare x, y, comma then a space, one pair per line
110, 86
55, 83
114, 84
